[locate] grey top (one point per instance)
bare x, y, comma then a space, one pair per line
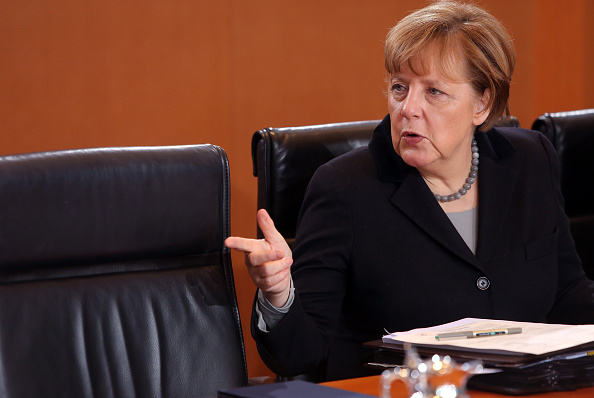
466, 222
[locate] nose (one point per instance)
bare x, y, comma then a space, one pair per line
412, 106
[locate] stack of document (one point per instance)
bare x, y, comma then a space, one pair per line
532, 357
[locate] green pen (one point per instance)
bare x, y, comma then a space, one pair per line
469, 334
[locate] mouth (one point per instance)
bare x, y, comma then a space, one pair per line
411, 138
410, 134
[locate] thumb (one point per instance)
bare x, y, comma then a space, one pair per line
271, 234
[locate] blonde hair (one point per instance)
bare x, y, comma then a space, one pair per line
457, 30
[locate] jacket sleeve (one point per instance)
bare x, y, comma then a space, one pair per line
301, 341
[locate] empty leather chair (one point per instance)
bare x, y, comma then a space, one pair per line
285, 159
572, 135
114, 279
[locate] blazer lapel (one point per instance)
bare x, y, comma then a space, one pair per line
416, 201
496, 185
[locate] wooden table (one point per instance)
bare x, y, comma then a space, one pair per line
370, 385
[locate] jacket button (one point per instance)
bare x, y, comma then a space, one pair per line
483, 283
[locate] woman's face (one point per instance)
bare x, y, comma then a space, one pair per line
433, 117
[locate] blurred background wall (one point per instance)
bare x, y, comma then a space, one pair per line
79, 74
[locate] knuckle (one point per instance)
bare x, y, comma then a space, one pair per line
267, 283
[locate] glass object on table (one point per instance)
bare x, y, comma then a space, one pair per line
435, 377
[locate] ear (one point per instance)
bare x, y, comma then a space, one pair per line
482, 108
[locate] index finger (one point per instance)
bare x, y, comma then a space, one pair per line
246, 245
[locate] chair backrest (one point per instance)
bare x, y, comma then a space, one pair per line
114, 278
572, 135
285, 159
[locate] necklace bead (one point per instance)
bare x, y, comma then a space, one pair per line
469, 181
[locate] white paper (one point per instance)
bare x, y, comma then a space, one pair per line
536, 338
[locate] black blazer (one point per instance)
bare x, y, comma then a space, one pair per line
375, 250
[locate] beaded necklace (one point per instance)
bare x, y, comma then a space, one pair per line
469, 181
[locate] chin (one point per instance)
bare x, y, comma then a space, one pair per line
415, 164
415, 159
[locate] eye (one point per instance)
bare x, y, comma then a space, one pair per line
399, 91
434, 91
398, 88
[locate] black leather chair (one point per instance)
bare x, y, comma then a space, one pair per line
114, 279
572, 135
285, 159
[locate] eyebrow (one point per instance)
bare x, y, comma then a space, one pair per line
426, 80
436, 82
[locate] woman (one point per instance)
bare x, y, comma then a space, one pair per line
408, 232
